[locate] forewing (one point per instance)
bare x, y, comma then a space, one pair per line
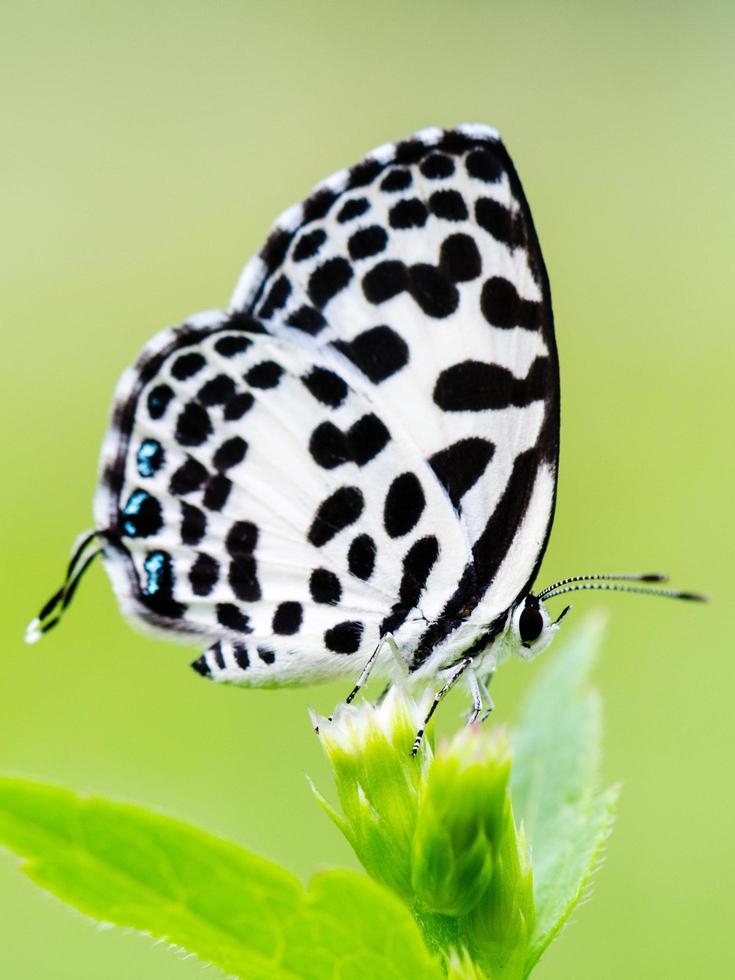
422, 267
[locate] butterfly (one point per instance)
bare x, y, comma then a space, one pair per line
357, 462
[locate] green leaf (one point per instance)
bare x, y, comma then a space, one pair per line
554, 782
124, 865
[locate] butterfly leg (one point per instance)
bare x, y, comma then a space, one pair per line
481, 698
365, 673
453, 678
487, 697
476, 691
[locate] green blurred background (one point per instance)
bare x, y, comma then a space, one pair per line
145, 150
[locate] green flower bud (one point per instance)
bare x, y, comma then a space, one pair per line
378, 782
462, 814
498, 930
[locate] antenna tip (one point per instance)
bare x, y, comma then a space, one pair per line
694, 596
654, 577
33, 631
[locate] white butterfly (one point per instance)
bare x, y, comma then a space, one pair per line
358, 460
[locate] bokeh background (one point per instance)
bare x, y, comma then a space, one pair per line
146, 147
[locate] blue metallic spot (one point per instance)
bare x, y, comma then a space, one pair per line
135, 502
150, 457
155, 566
143, 515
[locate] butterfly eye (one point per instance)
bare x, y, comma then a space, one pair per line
530, 624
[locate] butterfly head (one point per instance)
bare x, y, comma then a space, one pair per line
531, 627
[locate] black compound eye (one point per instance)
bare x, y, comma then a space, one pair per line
530, 624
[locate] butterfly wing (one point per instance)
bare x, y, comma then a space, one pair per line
422, 265
243, 497
366, 443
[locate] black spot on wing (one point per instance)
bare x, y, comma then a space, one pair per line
193, 524
309, 244
499, 221
396, 179
187, 365
238, 405
318, 205
449, 205
474, 386
276, 298
233, 618
367, 437
203, 574
241, 539
432, 290
384, 281
410, 151
287, 618
308, 319
240, 653
265, 375
459, 258
328, 279
193, 426
326, 386
460, 466
201, 666
158, 400
378, 352
230, 453
328, 446
325, 587
190, 476
274, 251
353, 209
485, 165
216, 491
367, 242
437, 166
240, 542
334, 514
232, 344
361, 557
404, 504
503, 307
218, 654
408, 213
218, 390
243, 319
243, 578
344, 637
364, 173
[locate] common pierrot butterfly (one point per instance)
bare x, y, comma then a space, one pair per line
356, 463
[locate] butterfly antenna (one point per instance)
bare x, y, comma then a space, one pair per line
607, 577
53, 610
609, 586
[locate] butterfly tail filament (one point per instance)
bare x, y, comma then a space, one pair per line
84, 553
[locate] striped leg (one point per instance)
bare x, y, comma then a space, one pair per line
453, 678
486, 697
481, 697
365, 673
